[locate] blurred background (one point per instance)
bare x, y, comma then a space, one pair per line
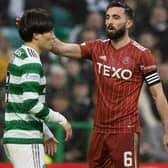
71, 89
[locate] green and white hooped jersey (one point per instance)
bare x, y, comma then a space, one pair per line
25, 97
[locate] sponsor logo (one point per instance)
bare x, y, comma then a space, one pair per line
32, 77
150, 67
114, 72
103, 57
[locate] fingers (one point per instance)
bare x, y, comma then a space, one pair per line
165, 142
51, 149
51, 146
166, 146
68, 131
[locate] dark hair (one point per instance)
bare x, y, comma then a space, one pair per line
129, 11
34, 21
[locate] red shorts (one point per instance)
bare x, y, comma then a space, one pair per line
114, 150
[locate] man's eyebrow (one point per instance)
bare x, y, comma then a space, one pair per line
112, 15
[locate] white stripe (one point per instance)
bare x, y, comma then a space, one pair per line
13, 98
22, 134
151, 75
136, 142
43, 80
17, 61
30, 95
153, 81
154, 77
15, 79
31, 77
37, 108
42, 98
17, 116
27, 60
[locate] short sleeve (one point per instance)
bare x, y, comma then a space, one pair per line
149, 68
87, 49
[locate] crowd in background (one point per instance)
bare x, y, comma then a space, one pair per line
71, 89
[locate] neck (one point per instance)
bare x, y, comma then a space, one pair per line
120, 42
32, 45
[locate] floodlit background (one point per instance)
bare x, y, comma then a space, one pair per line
71, 89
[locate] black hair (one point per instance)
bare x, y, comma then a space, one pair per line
118, 3
34, 21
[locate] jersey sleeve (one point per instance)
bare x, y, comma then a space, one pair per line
46, 132
149, 68
87, 49
31, 73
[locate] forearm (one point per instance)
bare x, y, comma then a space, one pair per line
161, 103
42, 112
66, 49
47, 133
54, 116
162, 108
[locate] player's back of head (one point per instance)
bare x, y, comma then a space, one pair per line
34, 21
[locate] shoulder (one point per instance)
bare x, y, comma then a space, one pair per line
138, 46
26, 58
102, 42
94, 43
20, 53
26, 53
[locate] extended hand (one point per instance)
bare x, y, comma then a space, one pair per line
165, 142
51, 146
68, 131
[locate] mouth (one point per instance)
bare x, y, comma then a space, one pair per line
110, 28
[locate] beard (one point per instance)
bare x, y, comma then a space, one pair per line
117, 34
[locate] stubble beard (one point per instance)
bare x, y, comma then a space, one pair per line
117, 34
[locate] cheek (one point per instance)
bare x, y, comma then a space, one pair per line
120, 24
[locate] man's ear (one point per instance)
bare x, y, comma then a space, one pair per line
36, 36
129, 23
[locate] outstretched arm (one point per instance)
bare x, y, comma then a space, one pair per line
60, 48
162, 107
65, 49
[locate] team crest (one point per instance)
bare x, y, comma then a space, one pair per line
126, 60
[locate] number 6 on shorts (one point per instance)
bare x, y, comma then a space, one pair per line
128, 159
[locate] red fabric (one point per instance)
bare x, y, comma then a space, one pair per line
114, 150
75, 165
119, 75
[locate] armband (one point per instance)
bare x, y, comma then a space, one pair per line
152, 78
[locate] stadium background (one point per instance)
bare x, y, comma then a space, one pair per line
71, 82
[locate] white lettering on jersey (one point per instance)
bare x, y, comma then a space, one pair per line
113, 72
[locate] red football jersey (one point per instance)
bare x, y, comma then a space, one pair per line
119, 75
